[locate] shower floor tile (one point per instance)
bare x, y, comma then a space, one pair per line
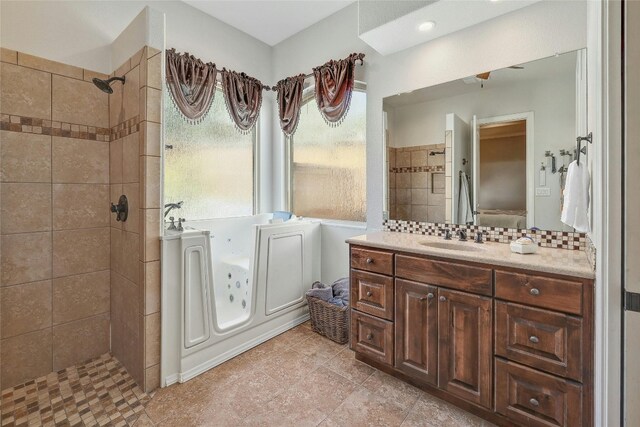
98, 393
295, 379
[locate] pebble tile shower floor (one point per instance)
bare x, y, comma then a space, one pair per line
295, 379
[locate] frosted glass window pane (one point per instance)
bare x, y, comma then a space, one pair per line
329, 164
210, 166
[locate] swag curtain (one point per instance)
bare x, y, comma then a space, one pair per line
191, 83
334, 86
243, 97
290, 102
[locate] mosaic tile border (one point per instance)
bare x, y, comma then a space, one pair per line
125, 128
99, 392
544, 238
417, 169
38, 126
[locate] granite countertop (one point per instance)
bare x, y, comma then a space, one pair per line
545, 260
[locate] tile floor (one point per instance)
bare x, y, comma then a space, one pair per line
296, 379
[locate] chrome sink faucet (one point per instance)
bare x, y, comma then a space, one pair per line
462, 235
171, 206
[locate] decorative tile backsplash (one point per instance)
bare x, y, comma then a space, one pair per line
544, 238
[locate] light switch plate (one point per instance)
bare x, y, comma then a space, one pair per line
543, 192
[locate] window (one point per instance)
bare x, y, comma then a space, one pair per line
328, 164
211, 164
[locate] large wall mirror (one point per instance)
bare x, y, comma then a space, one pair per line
491, 150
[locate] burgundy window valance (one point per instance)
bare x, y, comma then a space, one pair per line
191, 83
290, 102
334, 85
243, 96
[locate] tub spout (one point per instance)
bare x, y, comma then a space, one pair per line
172, 206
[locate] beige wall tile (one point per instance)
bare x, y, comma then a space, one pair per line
403, 180
136, 58
151, 378
132, 191
403, 196
403, 212
152, 339
131, 158
154, 105
131, 94
154, 72
49, 66
143, 68
152, 140
8, 55
151, 235
25, 157
80, 206
130, 256
143, 104
419, 158
80, 251
419, 196
89, 75
25, 308
116, 107
25, 207
436, 213
92, 333
151, 287
123, 68
436, 199
79, 161
26, 258
419, 179
436, 160
79, 102
403, 159
151, 181
419, 213
25, 92
25, 357
115, 161
116, 250
80, 296
115, 192
152, 51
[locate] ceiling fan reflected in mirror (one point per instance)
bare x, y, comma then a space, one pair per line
482, 77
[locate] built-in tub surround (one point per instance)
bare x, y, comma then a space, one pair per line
545, 260
54, 150
134, 150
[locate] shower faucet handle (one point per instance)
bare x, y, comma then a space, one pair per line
172, 226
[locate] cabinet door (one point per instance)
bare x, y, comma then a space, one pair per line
416, 323
464, 325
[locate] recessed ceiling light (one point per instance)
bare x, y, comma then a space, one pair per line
426, 26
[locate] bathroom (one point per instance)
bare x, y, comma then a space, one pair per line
187, 302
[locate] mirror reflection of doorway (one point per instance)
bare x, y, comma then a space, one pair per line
501, 171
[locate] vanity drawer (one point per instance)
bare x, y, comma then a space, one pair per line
370, 260
372, 293
545, 292
451, 275
533, 398
539, 338
372, 337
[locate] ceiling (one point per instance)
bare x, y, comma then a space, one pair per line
547, 68
270, 21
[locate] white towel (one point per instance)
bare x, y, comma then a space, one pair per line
575, 210
465, 214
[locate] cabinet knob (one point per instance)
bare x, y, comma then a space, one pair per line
534, 291
534, 339
369, 293
369, 336
428, 296
369, 260
443, 298
534, 402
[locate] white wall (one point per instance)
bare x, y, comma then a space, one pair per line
552, 100
531, 33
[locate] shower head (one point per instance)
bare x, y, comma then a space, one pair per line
433, 153
105, 85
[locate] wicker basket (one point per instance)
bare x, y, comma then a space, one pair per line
329, 319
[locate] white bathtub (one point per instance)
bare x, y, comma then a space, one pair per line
231, 284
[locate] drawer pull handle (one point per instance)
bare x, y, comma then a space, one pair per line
534, 402
369, 336
534, 339
429, 296
443, 298
369, 260
369, 293
534, 291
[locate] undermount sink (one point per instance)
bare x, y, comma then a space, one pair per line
465, 247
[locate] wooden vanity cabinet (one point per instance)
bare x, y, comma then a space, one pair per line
511, 346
